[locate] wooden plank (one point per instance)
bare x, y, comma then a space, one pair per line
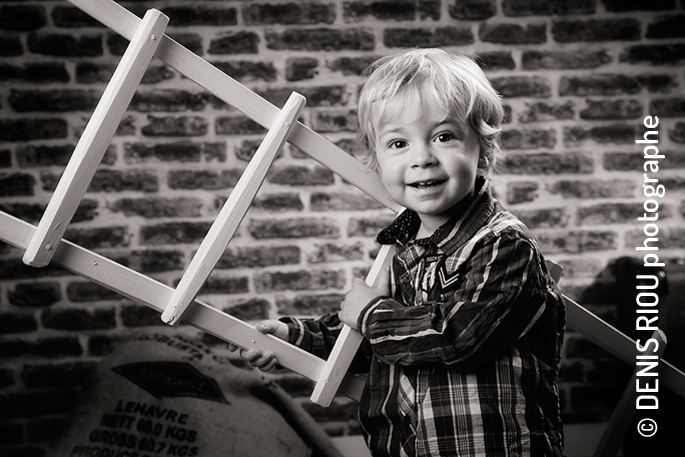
233, 211
95, 139
617, 343
156, 295
252, 105
348, 342
617, 427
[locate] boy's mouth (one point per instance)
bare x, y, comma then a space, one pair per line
427, 184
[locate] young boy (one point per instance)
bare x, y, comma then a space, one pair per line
462, 345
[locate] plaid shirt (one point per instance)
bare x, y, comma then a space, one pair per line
463, 358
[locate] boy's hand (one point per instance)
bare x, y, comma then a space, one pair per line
361, 295
254, 357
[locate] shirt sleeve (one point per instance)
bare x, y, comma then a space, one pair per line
498, 297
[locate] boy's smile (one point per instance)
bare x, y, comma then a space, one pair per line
428, 162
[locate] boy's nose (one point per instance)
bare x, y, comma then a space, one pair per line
424, 157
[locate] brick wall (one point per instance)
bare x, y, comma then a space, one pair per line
577, 76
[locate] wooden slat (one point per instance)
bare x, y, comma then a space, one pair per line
156, 295
233, 211
347, 343
95, 139
252, 105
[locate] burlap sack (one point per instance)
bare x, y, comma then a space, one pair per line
164, 394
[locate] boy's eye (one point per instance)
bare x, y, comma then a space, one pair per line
397, 144
445, 137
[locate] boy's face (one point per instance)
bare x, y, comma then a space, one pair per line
427, 161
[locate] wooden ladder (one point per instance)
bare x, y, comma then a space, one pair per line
44, 243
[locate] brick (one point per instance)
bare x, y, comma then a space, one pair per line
106, 180
657, 83
168, 100
598, 84
575, 242
46, 430
521, 192
546, 163
611, 110
612, 213
668, 107
35, 295
618, 6
187, 16
320, 39
380, 10
57, 45
300, 176
430, 9
310, 305
58, 155
330, 252
596, 30
677, 134
28, 212
582, 268
472, 10
496, 60
99, 237
522, 86
35, 73
299, 280
669, 238
72, 17
237, 125
368, 227
16, 184
100, 345
316, 96
14, 268
81, 292
11, 433
667, 27
335, 121
246, 150
654, 54
37, 403
616, 188
513, 33
278, 202
338, 201
565, 60
175, 126
288, 13
351, 65
158, 207
632, 161
133, 316
528, 139
155, 261
243, 42
203, 179
293, 228
547, 112
518, 8
5, 158
250, 310
32, 129
617, 134
222, 286
182, 151
78, 319
22, 18
543, 218
174, 233
248, 71
301, 68
10, 46
62, 100
57, 375
257, 257
440, 37
17, 323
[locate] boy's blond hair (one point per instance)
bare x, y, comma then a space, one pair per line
437, 79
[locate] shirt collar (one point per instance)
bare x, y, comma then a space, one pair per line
467, 219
